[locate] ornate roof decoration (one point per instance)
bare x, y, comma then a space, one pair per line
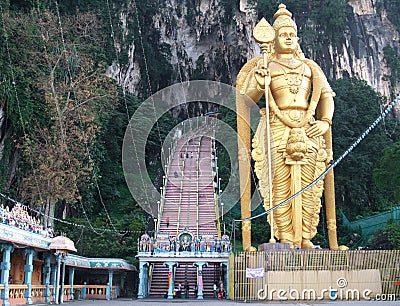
62, 243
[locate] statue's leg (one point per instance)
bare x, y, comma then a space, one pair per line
311, 198
281, 189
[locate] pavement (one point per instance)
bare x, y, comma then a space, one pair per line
213, 302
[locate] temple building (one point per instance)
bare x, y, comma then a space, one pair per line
37, 267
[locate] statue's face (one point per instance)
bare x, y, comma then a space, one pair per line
286, 40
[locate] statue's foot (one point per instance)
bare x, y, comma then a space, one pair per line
251, 249
307, 244
338, 247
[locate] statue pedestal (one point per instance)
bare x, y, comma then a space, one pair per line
268, 247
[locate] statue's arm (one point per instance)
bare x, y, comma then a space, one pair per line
254, 85
324, 115
254, 93
325, 106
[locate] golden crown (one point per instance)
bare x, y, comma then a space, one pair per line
283, 18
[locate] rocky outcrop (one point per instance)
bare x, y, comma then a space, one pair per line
362, 53
209, 40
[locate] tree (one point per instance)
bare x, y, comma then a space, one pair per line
74, 97
356, 107
387, 238
387, 175
61, 159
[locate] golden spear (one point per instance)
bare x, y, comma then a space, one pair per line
264, 34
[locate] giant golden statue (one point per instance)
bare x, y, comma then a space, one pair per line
298, 118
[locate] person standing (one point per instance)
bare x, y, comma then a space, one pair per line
186, 290
215, 287
179, 292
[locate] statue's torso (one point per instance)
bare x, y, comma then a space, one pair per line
290, 84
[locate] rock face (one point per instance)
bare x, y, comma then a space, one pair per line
205, 42
209, 39
362, 53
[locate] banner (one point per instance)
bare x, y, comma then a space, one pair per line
169, 279
200, 280
255, 273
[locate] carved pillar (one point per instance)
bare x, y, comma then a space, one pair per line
226, 278
142, 279
123, 275
109, 285
171, 280
28, 269
5, 271
84, 290
62, 278
54, 281
200, 286
71, 281
46, 277
57, 283
147, 285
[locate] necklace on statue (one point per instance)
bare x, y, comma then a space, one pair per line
293, 79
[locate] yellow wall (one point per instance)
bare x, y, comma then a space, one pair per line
17, 269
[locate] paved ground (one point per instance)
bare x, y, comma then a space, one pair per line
158, 302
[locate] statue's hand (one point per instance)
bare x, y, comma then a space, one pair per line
317, 128
262, 76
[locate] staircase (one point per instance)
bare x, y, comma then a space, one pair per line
189, 195
189, 205
184, 273
211, 275
159, 280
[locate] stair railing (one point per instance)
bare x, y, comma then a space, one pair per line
217, 193
151, 270
181, 187
160, 208
190, 182
197, 186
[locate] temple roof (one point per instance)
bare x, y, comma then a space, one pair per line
62, 243
99, 263
21, 237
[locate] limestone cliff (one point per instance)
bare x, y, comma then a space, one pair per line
210, 39
369, 31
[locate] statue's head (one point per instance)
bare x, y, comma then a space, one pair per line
283, 18
286, 40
